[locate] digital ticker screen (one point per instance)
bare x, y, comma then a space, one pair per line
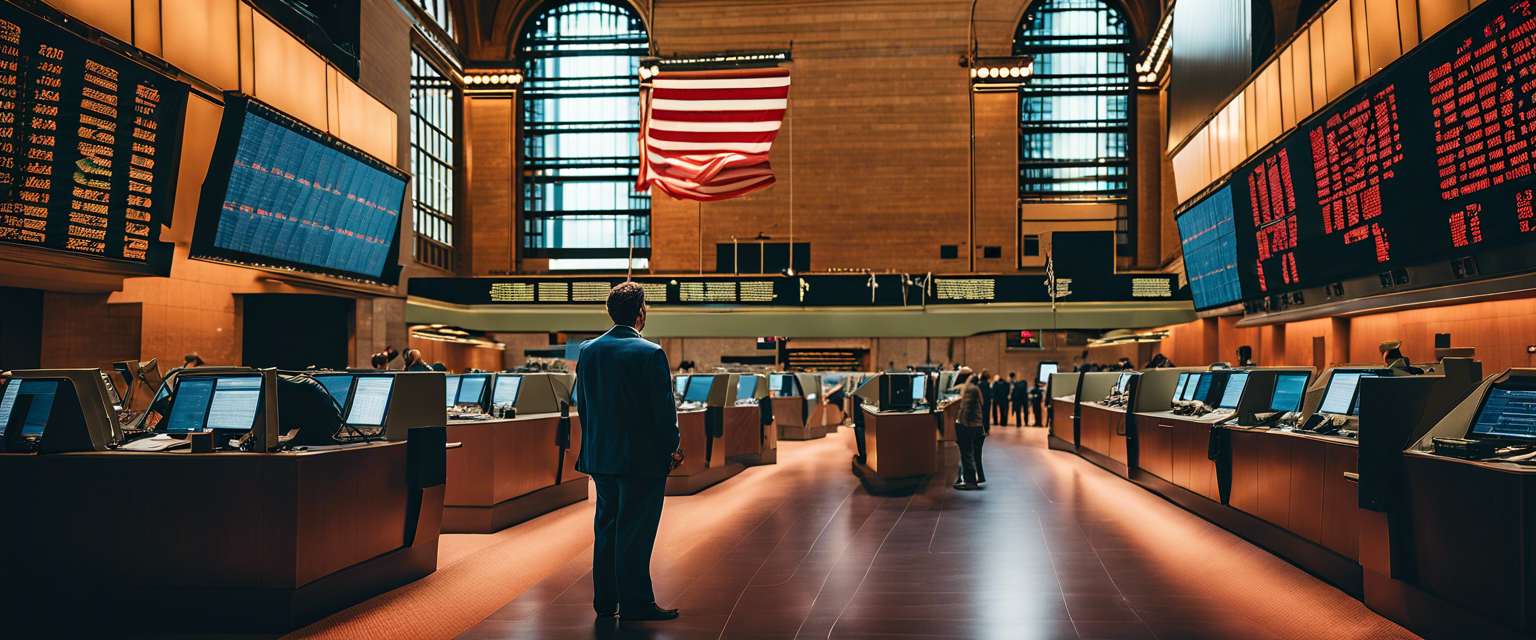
1429, 160
1210, 251
89, 146
280, 194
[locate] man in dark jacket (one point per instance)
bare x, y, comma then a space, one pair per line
968, 427
629, 443
1000, 391
1037, 402
1018, 398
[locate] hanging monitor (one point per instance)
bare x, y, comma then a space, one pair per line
506, 389
1234, 391
1289, 390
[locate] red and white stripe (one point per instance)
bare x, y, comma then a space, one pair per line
706, 134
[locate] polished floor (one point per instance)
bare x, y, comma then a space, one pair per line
1054, 547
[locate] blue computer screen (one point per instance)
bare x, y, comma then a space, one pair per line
680, 384
471, 389
8, 393
506, 389
1209, 237
1203, 390
746, 387
698, 388
300, 201
1123, 383
337, 385
919, 388
1289, 389
453, 389
42, 392
192, 398
1340, 395
1234, 391
371, 401
1507, 413
1178, 392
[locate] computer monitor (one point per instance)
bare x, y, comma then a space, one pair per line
1508, 412
1044, 370
1123, 383
36, 419
506, 389
783, 384
1178, 391
472, 388
746, 387
680, 385
370, 401
1234, 391
215, 402
1203, 388
336, 384
1289, 390
1339, 398
698, 389
919, 389
453, 389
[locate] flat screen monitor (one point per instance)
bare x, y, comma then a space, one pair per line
919, 389
1044, 370
1203, 388
698, 388
453, 389
370, 401
506, 389
1123, 383
1234, 391
783, 384
1289, 389
472, 388
1340, 396
1178, 391
680, 385
1508, 412
746, 387
234, 404
338, 385
36, 419
282, 194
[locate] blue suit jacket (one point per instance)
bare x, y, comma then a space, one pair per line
624, 397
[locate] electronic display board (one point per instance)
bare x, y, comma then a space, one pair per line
90, 143
1210, 251
281, 194
1428, 160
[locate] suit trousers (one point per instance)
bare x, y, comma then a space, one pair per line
628, 513
1019, 413
1000, 412
968, 439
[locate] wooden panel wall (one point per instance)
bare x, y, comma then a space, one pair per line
487, 243
457, 357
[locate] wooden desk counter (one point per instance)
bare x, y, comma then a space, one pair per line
509, 471
1062, 427
790, 418
283, 538
1099, 433
1298, 482
1177, 450
747, 440
901, 449
704, 463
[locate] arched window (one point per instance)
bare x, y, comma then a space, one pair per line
439, 12
581, 125
1075, 118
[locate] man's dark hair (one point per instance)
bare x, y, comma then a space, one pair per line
625, 302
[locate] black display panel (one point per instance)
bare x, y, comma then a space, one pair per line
281, 194
1289, 391
1508, 411
1429, 160
90, 145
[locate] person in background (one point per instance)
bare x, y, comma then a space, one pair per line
1037, 402
968, 427
1018, 398
629, 444
413, 361
189, 361
1392, 355
440, 367
1125, 364
1159, 361
1000, 392
382, 359
891, 368
1245, 356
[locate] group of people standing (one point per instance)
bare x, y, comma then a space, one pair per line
985, 399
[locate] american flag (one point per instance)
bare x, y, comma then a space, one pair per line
706, 134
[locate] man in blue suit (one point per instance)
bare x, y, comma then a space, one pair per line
629, 443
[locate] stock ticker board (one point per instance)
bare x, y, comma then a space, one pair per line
1429, 160
89, 146
283, 195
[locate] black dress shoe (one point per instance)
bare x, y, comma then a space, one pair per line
607, 614
648, 612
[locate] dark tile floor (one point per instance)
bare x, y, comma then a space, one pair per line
1052, 548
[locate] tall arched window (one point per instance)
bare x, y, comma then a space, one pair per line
440, 13
581, 125
1075, 118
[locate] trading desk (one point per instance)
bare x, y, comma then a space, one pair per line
1063, 419
704, 457
901, 450
1100, 434
1176, 450
828, 417
747, 440
510, 471
250, 542
790, 417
